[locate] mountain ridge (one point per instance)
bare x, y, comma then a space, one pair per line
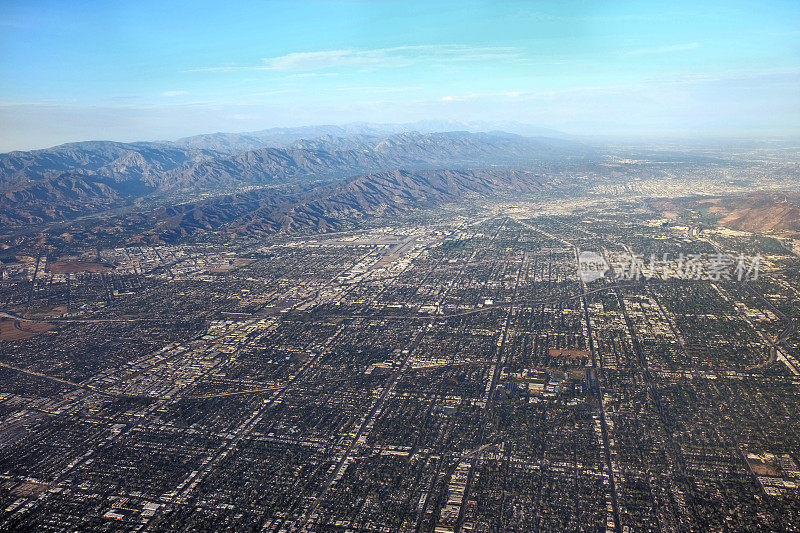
80, 179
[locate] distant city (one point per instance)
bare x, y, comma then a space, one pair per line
307, 340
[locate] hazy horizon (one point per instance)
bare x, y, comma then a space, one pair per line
698, 139
148, 71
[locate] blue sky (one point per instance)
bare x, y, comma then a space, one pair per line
75, 70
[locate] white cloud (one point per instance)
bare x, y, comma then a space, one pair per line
460, 97
398, 56
662, 49
173, 94
334, 58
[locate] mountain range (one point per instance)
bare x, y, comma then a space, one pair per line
332, 207
277, 180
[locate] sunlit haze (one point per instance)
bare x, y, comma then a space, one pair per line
143, 71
